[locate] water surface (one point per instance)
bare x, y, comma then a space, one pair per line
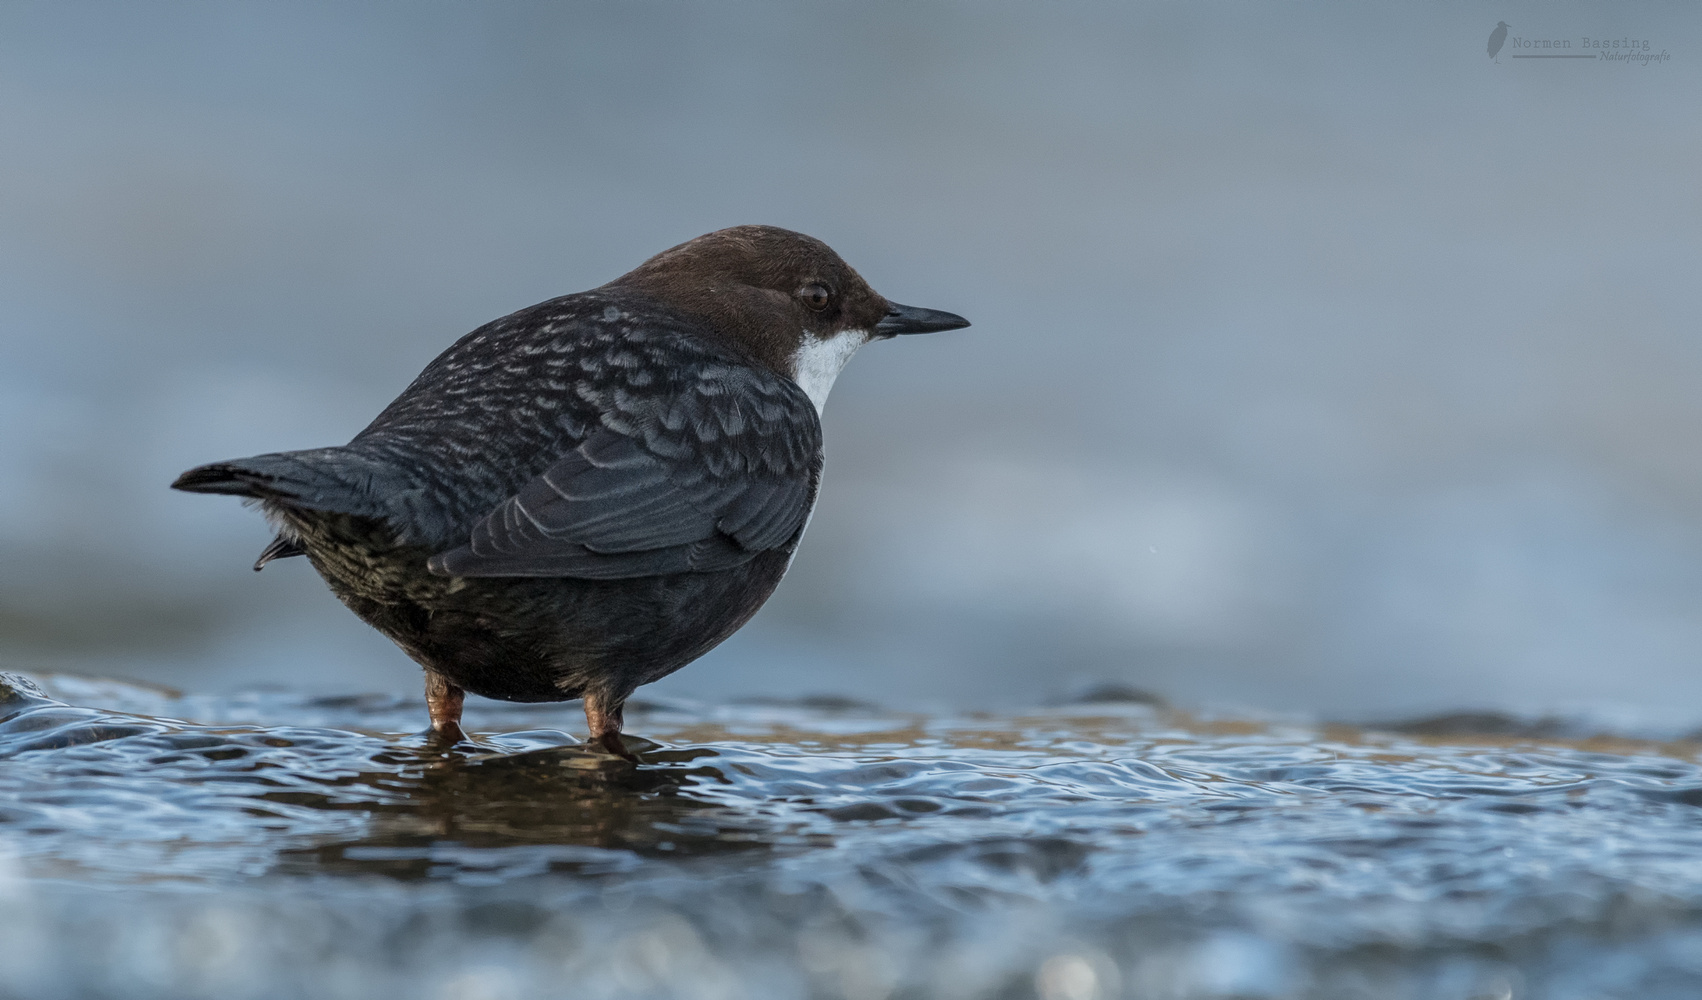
274, 845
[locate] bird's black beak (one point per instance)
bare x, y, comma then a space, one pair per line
913, 319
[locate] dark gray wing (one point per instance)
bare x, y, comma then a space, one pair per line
698, 480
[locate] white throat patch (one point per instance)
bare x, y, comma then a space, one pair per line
817, 362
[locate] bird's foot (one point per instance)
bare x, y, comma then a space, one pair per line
445, 736
443, 701
612, 743
603, 716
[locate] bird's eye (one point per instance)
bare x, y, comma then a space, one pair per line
815, 296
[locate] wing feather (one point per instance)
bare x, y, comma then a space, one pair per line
701, 480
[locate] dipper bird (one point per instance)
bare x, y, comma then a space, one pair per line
588, 494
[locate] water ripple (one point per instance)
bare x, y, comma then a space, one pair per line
160, 845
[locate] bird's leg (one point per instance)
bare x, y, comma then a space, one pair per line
443, 701
603, 716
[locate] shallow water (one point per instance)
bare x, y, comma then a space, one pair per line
276, 845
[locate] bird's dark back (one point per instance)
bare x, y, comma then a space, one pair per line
504, 402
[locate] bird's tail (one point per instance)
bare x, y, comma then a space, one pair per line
365, 483
318, 479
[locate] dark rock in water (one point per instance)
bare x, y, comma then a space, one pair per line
1487, 724
1112, 693
18, 693
816, 703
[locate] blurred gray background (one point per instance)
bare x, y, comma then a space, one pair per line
1320, 365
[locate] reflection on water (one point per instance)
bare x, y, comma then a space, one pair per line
827, 850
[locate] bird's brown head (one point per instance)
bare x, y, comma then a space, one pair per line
784, 298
